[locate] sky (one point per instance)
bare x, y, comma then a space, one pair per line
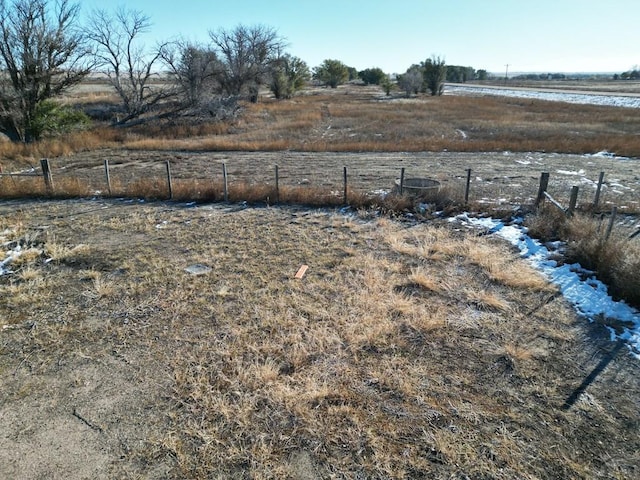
529, 36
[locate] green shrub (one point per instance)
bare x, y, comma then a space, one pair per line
52, 119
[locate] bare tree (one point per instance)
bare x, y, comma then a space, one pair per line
411, 81
194, 69
42, 54
245, 54
129, 67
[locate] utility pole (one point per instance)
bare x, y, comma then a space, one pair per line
506, 73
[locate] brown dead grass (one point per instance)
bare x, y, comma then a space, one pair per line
356, 118
615, 261
398, 355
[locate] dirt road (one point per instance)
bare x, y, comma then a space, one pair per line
500, 177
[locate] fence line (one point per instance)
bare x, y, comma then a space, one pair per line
542, 195
108, 176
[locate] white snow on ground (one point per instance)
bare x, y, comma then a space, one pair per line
9, 255
588, 296
605, 154
581, 98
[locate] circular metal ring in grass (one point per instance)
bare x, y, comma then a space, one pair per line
418, 186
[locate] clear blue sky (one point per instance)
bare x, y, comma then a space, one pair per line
529, 35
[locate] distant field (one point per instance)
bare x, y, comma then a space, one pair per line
599, 86
507, 142
497, 178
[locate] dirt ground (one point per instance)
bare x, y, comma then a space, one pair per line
96, 348
500, 178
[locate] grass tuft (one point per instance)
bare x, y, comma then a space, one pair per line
356, 370
615, 260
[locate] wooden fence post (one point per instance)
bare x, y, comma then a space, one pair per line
107, 175
169, 183
467, 187
572, 201
225, 181
544, 183
614, 211
596, 200
46, 174
277, 185
402, 181
344, 174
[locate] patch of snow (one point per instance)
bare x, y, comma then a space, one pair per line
10, 256
570, 172
588, 296
604, 154
567, 97
618, 185
523, 162
382, 193
588, 181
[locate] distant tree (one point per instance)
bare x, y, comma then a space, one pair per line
194, 69
246, 54
128, 66
411, 81
372, 76
288, 75
458, 74
435, 73
42, 54
387, 85
353, 73
482, 75
633, 74
331, 73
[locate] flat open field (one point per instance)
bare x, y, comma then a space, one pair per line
408, 350
169, 340
507, 142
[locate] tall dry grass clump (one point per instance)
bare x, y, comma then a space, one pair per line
34, 187
616, 260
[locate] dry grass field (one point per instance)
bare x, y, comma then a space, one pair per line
171, 340
408, 350
506, 142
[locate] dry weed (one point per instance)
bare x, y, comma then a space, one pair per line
348, 372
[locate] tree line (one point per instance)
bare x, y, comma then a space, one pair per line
45, 51
633, 74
